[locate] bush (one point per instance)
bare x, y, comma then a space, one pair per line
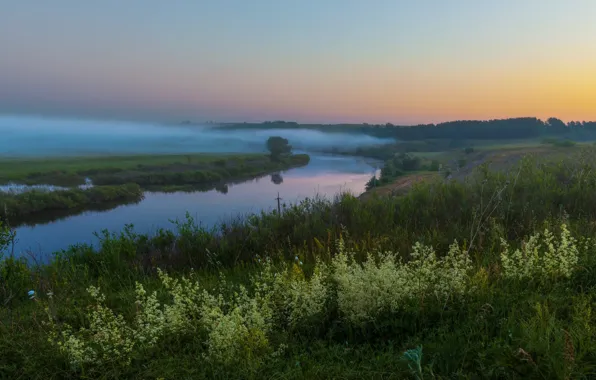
364, 292
6, 237
559, 142
541, 258
372, 183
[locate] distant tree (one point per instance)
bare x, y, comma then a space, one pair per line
390, 171
372, 182
278, 147
556, 125
407, 162
469, 150
276, 178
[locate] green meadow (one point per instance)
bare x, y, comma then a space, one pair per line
487, 276
121, 179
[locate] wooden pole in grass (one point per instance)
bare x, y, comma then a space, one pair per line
278, 205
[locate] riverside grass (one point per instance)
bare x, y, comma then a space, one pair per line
148, 171
122, 179
22, 207
499, 286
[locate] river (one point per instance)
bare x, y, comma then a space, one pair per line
325, 175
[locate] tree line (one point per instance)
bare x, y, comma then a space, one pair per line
512, 128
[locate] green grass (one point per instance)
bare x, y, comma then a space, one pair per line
459, 164
536, 327
122, 179
38, 205
17, 167
146, 171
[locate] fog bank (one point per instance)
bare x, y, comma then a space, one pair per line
38, 136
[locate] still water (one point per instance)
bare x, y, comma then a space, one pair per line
324, 176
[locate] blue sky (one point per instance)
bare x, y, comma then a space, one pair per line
329, 61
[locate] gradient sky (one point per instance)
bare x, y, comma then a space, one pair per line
311, 61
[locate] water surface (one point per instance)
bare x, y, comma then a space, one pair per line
324, 176
27, 136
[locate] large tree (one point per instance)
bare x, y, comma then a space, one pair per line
278, 147
556, 125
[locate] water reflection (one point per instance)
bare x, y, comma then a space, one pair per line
277, 179
222, 188
56, 215
324, 176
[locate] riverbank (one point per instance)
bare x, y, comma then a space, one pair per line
108, 181
149, 172
29, 206
422, 285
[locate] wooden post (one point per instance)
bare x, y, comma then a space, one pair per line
278, 205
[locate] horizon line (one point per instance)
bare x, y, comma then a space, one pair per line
273, 121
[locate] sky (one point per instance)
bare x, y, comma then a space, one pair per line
376, 61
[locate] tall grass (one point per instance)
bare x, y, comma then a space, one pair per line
22, 207
489, 278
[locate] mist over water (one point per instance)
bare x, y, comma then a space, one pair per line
326, 175
38, 136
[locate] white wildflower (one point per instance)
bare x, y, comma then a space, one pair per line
542, 256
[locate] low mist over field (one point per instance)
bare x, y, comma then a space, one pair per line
35, 136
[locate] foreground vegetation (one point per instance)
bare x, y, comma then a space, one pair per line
492, 277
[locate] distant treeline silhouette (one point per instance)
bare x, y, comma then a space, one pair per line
513, 128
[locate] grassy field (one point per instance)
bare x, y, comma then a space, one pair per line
144, 170
400, 185
492, 277
15, 166
121, 179
458, 164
